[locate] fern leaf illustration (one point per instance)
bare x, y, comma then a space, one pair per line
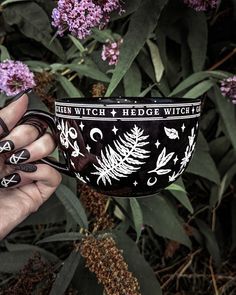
125, 158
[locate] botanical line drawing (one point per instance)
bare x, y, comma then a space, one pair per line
67, 135
187, 156
162, 160
80, 177
171, 133
124, 159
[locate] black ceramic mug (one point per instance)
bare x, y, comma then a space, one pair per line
125, 147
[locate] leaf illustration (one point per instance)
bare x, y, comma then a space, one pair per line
124, 159
162, 160
171, 133
187, 156
163, 171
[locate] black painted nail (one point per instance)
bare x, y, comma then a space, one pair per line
6, 146
19, 95
29, 168
10, 180
18, 157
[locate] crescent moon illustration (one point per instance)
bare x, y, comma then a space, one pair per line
94, 131
151, 183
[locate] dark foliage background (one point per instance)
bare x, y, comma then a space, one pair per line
182, 241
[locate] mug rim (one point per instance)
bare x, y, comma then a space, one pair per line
128, 100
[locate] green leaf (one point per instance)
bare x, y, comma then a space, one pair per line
129, 7
203, 165
66, 274
224, 184
37, 65
210, 241
4, 53
72, 205
138, 265
62, 237
34, 23
44, 214
102, 35
156, 60
159, 214
26, 247
145, 91
142, 23
4, 3
77, 43
85, 282
132, 81
196, 78
199, 89
137, 216
227, 113
12, 262
88, 69
177, 189
197, 37
69, 87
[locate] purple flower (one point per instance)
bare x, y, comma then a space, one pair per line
202, 5
76, 16
15, 77
111, 52
228, 88
80, 16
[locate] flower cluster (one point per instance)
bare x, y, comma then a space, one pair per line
44, 82
105, 260
228, 88
98, 89
202, 5
95, 204
111, 52
80, 16
15, 77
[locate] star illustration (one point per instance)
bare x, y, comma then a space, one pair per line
176, 159
81, 125
113, 113
88, 148
183, 127
157, 144
135, 183
114, 130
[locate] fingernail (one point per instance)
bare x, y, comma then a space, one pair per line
10, 180
6, 146
29, 168
19, 95
18, 157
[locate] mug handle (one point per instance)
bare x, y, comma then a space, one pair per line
50, 120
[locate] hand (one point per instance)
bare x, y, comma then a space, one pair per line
24, 185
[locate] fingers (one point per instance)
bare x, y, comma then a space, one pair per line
12, 113
43, 177
15, 140
35, 151
18, 204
